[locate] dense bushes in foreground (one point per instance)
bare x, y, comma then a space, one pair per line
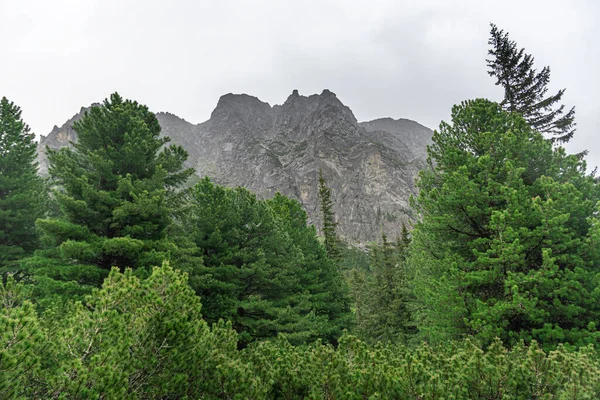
459, 370
146, 339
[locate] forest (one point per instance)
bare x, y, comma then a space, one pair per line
121, 280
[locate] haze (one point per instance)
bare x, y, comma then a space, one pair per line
382, 58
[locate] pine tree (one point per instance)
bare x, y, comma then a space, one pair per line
525, 89
22, 191
329, 225
505, 245
116, 189
132, 339
262, 269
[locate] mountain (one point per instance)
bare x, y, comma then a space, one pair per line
404, 133
370, 166
57, 138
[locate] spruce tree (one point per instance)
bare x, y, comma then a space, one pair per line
382, 294
329, 225
403, 241
116, 189
525, 89
506, 244
22, 191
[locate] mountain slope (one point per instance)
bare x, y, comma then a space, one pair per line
369, 166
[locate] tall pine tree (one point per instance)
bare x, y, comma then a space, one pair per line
329, 225
525, 89
116, 189
506, 244
22, 191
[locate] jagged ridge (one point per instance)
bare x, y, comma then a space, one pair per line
370, 166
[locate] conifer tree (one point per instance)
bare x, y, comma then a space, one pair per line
116, 192
329, 225
319, 277
506, 241
525, 89
382, 295
262, 268
403, 241
22, 191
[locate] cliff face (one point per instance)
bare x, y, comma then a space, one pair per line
400, 134
369, 166
58, 138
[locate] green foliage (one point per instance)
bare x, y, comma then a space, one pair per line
504, 247
457, 370
116, 189
329, 225
505, 254
382, 295
22, 192
525, 88
141, 339
132, 339
54, 282
20, 339
263, 268
318, 275
145, 339
353, 257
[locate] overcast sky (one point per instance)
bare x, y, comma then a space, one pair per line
402, 59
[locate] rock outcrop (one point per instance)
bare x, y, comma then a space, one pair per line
370, 166
58, 138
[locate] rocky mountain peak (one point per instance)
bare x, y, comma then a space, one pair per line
247, 109
231, 101
59, 137
314, 102
308, 117
403, 132
327, 97
330, 107
167, 115
369, 166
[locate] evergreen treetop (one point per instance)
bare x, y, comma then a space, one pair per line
525, 89
22, 191
506, 243
329, 224
383, 297
116, 193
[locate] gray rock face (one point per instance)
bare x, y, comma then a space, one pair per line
369, 166
58, 138
400, 133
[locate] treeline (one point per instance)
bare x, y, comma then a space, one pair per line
120, 281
